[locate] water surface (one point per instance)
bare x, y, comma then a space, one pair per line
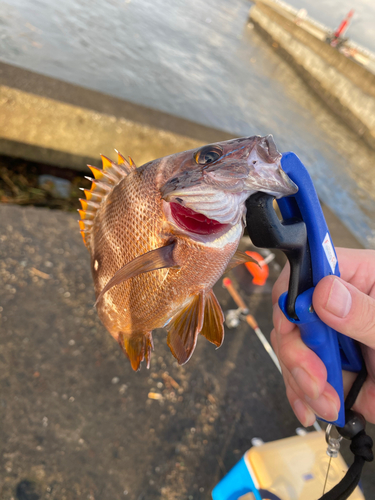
198, 60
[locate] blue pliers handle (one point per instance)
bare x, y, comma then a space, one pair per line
304, 237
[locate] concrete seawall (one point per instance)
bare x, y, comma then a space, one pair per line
347, 87
49, 121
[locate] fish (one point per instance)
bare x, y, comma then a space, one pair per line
162, 234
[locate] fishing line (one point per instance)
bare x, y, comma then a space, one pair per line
361, 444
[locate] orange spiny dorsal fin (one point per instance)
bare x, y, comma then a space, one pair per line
104, 181
115, 169
89, 205
137, 348
213, 328
83, 204
86, 215
123, 163
99, 186
91, 195
106, 162
96, 172
121, 159
85, 225
131, 163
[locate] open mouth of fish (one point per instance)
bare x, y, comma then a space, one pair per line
195, 222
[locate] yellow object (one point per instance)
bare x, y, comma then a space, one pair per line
295, 468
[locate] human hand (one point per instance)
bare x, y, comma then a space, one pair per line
346, 304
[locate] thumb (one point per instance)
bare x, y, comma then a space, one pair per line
345, 309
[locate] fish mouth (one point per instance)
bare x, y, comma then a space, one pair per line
196, 223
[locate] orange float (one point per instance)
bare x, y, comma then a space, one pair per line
259, 272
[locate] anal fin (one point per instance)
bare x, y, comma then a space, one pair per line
137, 348
184, 327
213, 328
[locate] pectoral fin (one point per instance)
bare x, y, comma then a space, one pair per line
239, 258
213, 328
137, 348
150, 261
184, 327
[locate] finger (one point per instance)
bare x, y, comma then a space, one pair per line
369, 357
281, 323
346, 309
305, 367
302, 411
306, 374
365, 402
326, 407
304, 414
357, 267
281, 284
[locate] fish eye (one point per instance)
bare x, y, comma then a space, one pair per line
208, 154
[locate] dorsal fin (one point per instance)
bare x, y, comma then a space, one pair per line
137, 348
131, 163
104, 181
184, 327
121, 160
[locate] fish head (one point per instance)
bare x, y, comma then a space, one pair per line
205, 194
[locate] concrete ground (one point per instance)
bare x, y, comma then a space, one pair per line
78, 423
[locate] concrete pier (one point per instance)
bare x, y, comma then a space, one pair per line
345, 85
50, 121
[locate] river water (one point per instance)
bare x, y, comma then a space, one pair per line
199, 60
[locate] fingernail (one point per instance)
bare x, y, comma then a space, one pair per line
339, 300
324, 407
303, 413
305, 382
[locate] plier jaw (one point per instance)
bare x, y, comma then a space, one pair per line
303, 236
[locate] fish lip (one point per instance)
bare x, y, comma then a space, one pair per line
267, 149
290, 186
265, 162
275, 156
